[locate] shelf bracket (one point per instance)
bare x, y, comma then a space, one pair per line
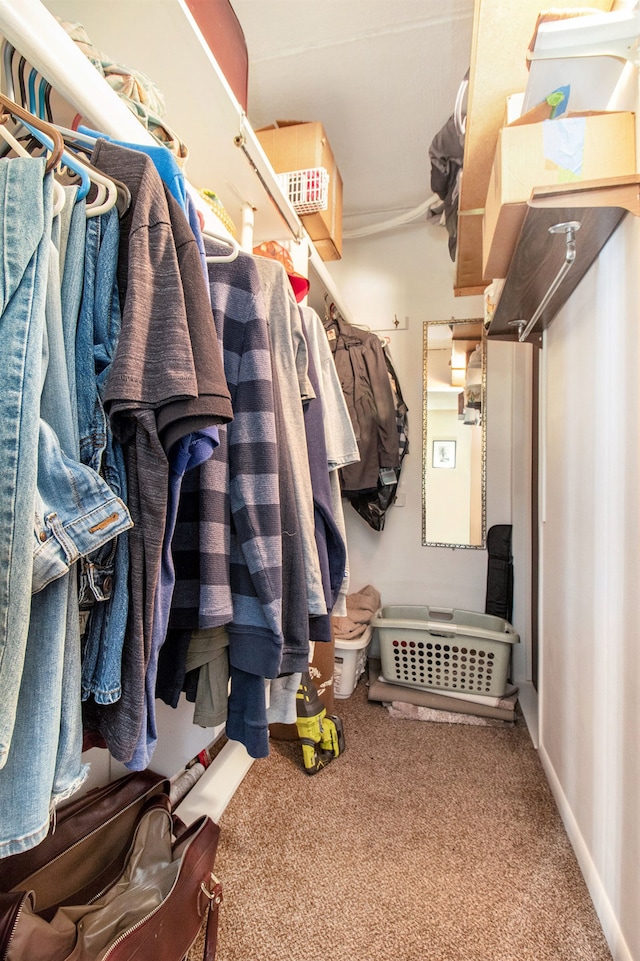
569, 230
292, 223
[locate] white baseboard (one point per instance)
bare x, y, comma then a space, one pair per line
215, 788
528, 700
604, 909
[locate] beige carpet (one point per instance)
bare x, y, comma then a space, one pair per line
423, 842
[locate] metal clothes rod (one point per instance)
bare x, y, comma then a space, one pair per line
296, 229
569, 229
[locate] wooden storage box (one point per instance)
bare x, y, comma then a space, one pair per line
298, 146
571, 148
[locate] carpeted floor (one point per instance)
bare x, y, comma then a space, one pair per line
423, 842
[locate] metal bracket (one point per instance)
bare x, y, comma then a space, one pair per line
569, 229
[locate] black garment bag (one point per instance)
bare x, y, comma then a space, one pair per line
499, 599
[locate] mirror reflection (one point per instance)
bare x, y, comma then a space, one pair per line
453, 434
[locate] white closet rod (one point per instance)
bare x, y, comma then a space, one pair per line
37, 35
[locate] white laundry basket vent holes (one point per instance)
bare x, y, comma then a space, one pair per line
446, 650
447, 666
307, 190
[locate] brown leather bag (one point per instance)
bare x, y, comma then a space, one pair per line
153, 906
86, 847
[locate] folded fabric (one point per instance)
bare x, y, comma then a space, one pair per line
361, 607
412, 712
208, 654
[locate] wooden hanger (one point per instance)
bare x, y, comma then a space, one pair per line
21, 150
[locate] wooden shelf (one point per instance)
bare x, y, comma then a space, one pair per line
501, 34
199, 103
599, 206
225, 154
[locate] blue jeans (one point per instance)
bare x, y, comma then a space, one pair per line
72, 274
43, 762
73, 511
23, 271
104, 588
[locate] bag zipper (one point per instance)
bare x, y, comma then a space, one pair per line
25, 897
214, 896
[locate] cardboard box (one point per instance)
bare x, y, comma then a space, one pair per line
299, 146
571, 148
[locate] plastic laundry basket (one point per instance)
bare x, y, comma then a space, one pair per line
350, 662
451, 650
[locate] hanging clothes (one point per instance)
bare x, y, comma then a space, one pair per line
172, 176
206, 474
340, 439
255, 632
289, 355
233, 517
330, 545
295, 604
362, 369
446, 153
59, 510
373, 505
104, 575
157, 392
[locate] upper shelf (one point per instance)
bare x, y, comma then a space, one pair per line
224, 153
501, 35
599, 207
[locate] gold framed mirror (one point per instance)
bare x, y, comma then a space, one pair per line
454, 449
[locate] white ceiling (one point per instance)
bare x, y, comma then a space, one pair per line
380, 75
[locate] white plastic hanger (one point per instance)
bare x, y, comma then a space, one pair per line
107, 190
228, 241
75, 139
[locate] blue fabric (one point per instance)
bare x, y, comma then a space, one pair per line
23, 272
187, 454
70, 511
247, 713
104, 589
72, 269
76, 511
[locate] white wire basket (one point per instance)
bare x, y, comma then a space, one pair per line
308, 190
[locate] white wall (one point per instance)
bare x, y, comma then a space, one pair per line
590, 529
590, 637
449, 491
408, 273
